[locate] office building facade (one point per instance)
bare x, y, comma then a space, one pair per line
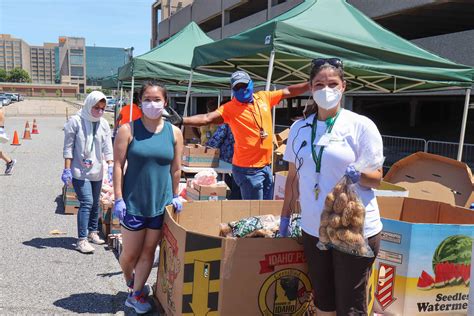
42, 63
102, 62
14, 53
72, 61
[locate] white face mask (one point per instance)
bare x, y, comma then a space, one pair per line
327, 98
152, 109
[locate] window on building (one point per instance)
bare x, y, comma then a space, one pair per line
211, 24
246, 9
77, 71
77, 60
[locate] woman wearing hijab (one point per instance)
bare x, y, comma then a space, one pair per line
87, 141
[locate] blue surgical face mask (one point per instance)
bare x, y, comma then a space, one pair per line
245, 95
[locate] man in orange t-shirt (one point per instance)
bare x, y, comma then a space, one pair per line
124, 115
249, 116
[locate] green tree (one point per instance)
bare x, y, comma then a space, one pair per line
3, 75
18, 75
58, 92
107, 91
43, 92
88, 90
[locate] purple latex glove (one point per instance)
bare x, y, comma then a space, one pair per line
353, 174
178, 205
284, 223
120, 209
110, 173
66, 177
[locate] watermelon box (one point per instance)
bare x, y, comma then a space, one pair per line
201, 273
424, 263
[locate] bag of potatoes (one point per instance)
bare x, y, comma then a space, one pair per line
343, 216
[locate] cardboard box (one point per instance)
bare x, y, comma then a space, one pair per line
389, 189
107, 214
206, 192
278, 163
108, 229
435, 178
70, 202
189, 136
196, 155
424, 259
279, 185
282, 137
201, 273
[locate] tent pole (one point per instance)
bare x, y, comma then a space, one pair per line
267, 88
131, 98
188, 93
121, 97
463, 125
270, 70
219, 98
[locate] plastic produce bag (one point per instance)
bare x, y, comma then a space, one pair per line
205, 177
255, 226
343, 216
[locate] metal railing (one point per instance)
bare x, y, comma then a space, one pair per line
449, 149
396, 148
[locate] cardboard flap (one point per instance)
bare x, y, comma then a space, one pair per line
390, 207
420, 211
433, 177
203, 217
449, 214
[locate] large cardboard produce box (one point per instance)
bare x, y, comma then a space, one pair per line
280, 138
195, 155
423, 267
71, 204
206, 192
201, 273
435, 178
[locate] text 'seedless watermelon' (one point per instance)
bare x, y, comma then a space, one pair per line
451, 264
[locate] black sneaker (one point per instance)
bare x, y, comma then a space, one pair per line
10, 165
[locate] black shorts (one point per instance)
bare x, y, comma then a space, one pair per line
136, 223
339, 279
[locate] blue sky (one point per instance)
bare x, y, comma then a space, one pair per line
109, 23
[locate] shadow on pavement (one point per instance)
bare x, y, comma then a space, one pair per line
110, 274
59, 205
52, 242
96, 303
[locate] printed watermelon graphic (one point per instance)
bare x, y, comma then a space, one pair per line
425, 282
451, 264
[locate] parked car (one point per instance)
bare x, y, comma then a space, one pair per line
19, 97
5, 100
110, 105
13, 97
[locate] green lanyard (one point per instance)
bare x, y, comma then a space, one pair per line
329, 125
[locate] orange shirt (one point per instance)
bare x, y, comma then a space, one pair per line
125, 113
249, 149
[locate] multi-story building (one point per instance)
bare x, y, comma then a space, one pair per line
444, 27
102, 62
72, 61
14, 53
163, 10
42, 63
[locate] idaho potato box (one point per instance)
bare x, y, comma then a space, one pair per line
201, 273
423, 267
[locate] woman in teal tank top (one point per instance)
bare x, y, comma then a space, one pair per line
151, 148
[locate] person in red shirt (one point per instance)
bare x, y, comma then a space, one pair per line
124, 115
249, 115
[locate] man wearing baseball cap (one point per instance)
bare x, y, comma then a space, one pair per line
249, 115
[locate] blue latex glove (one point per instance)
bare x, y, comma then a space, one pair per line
178, 205
353, 174
110, 173
284, 223
120, 209
66, 177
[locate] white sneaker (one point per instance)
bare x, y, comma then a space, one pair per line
95, 239
84, 246
3, 136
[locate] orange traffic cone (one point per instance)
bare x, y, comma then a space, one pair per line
35, 128
16, 141
27, 134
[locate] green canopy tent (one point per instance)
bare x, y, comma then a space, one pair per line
280, 51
